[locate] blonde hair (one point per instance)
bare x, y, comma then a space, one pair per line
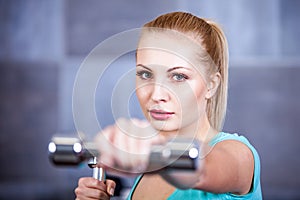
212, 38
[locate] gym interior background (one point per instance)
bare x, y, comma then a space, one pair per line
43, 43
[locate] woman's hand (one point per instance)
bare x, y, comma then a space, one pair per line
90, 189
125, 147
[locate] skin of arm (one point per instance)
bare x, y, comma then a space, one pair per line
228, 167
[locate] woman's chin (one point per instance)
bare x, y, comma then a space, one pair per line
165, 126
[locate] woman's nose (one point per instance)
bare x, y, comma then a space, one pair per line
159, 93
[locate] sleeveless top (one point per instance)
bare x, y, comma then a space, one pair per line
254, 193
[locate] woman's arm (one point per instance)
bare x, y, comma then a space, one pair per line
228, 167
125, 148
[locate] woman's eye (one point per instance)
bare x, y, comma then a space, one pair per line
144, 75
179, 77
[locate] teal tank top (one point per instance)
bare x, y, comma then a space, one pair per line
254, 194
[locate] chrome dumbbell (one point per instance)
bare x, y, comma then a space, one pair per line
177, 154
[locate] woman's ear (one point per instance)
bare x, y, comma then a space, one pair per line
213, 85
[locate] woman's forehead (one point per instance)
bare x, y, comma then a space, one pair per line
152, 56
168, 40
180, 44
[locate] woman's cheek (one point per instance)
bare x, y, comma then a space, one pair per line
192, 105
142, 95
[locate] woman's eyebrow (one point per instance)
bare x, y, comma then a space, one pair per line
169, 70
179, 67
141, 65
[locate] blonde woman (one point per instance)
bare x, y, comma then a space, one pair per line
181, 84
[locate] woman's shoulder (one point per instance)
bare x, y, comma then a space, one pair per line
223, 137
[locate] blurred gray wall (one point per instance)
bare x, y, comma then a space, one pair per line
43, 43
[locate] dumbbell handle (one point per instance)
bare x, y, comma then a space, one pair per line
179, 154
98, 172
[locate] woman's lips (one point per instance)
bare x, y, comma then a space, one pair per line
160, 114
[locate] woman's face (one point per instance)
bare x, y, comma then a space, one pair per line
171, 91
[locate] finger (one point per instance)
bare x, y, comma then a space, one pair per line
90, 182
128, 146
145, 129
140, 146
131, 145
90, 193
104, 141
90, 188
108, 133
121, 146
111, 186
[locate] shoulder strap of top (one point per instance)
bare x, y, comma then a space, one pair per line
137, 180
